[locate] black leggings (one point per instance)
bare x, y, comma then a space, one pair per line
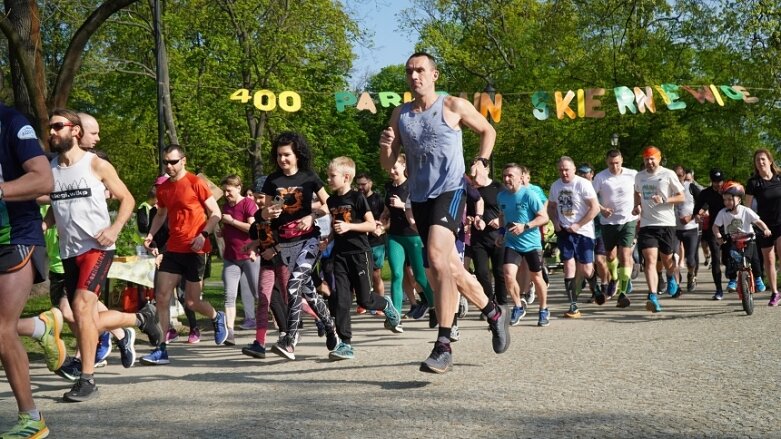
691, 247
715, 254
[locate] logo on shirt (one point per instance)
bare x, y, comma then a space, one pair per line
291, 198
342, 213
735, 226
76, 189
566, 203
26, 133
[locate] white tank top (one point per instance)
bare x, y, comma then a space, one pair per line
79, 207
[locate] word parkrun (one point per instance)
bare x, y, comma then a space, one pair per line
587, 101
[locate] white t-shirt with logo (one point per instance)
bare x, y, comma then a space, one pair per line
616, 192
686, 209
571, 205
662, 182
739, 222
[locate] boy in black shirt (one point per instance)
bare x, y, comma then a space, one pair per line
352, 221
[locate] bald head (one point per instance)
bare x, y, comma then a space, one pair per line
91, 129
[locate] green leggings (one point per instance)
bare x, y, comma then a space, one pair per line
411, 249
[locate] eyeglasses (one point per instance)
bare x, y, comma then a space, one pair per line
172, 162
56, 126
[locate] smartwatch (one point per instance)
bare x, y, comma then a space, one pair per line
482, 160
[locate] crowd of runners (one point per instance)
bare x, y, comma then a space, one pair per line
297, 248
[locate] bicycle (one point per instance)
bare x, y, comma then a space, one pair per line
739, 244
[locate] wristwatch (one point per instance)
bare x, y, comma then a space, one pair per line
482, 160
205, 234
525, 226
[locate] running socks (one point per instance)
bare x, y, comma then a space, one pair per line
612, 268
624, 274
443, 336
35, 414
592, 281
569, 287
40, 328
490, 310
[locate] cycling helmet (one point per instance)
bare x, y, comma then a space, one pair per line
733, 188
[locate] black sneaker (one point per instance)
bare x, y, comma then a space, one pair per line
127, 348
331, 339
623, 301
254, 350
82, 391
150, 324
439, 361
70, 370
432, 318
284, 349
499, 326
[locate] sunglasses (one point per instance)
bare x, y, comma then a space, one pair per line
56, 126
172, 162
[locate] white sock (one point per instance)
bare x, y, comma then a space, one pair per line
40, 328
35, 414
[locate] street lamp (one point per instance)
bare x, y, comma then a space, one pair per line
614, 140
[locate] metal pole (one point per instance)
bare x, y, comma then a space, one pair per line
160, 86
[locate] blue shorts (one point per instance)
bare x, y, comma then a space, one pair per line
573, 245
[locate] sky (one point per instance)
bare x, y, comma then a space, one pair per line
391, 46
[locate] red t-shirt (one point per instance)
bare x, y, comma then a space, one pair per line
184, 199
234, 238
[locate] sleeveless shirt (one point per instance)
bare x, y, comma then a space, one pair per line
435, 154
79, 206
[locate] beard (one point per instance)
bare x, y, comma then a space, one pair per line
61, 144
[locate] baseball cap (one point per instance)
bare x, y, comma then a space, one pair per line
716, 175
161, 179
258, 186
584, 168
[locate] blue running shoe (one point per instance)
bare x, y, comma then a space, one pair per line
157, 357
220, 328
732, 285
392, 317
759, 285
544, 319
127, 348
104, 346
517, 314
718, 296
342, 352
653, 303
672, 287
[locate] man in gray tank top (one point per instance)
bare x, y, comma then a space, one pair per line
429, 128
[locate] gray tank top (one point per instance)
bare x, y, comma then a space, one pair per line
435, 152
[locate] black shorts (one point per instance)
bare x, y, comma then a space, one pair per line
14, 257
56, 287
533, 258
599, 246
189, 265
659, 237
445, 210
769, 241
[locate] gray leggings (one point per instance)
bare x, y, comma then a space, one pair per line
245, 274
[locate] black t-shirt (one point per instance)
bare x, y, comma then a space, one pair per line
376, 205
295, 192
350, 208
768, 196
712, 200
399, 225
487, 237
262, 230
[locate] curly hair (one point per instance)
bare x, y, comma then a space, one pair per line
297, 143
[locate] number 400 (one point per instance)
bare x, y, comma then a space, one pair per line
266, 100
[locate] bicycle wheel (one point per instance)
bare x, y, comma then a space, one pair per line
746, 285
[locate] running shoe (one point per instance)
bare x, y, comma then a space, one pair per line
418, 311
70, 370
732, 285
150, 324
599, 297
653, 303
392, 317
248, 324
284, 349
612, 286
455, 334
544, 318
156, 358
707, 261
691, 282
27, 427
231, 339
100, 364
518, 313
673, 289
360, 310
662, 284
774, 299
83, 390
573, 313
499, 325
320, 328
635, 270
343, 351
171, 336
52, 344
439, 361
759, 285
530, 296
194, 336
254, 349
220, 328
104, 346
127, 348
432, 318
463, 307
623, 301
718, 296
331, 339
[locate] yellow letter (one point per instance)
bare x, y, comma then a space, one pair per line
562, 105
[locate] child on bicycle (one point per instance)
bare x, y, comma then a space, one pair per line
738, 219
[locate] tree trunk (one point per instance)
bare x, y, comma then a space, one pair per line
168, 111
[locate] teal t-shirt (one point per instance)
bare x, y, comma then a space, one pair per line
521, 207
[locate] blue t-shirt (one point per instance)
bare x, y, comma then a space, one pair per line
20, 221
521, 207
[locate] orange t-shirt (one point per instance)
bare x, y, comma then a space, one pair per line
184, 200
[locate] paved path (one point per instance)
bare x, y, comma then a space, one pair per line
699, 369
